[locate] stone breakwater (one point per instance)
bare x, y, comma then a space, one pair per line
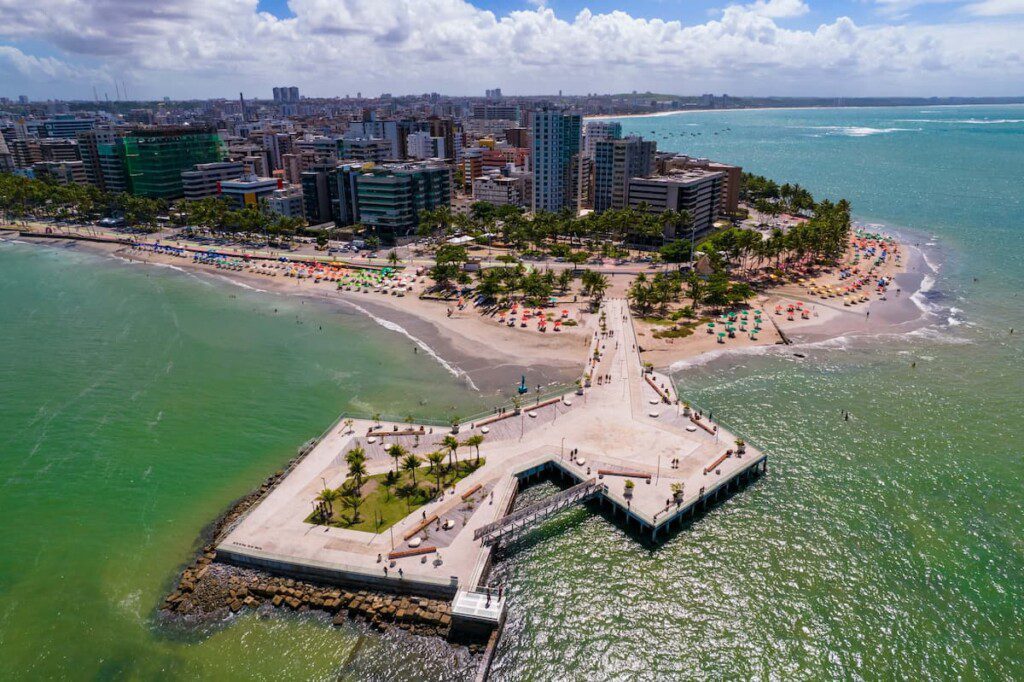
209, 589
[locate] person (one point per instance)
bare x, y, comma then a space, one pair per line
401, 573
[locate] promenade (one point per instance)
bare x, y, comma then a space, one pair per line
627, 426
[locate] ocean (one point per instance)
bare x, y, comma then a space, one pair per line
136, 403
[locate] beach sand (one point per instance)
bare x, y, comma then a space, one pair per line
490, 357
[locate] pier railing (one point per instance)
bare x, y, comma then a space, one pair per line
526, 401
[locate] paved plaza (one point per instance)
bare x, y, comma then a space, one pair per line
629, 422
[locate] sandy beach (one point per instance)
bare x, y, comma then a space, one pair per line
484, 353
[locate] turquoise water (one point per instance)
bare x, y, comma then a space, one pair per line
136, 403
886, 547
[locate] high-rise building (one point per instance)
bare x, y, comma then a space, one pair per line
696, 191
26, 152
502, 190
88, 148
391, 197
249, 190
6, 158
286, 202
204, 179
616, 162
59, 150
317, 193
287, 94
61, 172
66, 125
292, 165
596, 131
518, 137
556, 139
730, 200
154, 158
502, 112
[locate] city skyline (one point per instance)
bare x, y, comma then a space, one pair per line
185, 49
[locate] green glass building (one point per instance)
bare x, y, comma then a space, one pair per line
154, 158
390, 198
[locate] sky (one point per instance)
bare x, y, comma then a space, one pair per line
65, 49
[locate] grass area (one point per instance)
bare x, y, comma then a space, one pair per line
681, 331
382, 508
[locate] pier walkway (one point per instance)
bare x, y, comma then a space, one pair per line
523, 519
626, 440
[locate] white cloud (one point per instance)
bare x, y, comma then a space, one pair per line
996, 8
214, 47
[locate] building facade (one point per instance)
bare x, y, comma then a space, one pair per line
598, 131
556, 139
390, 198
696, 191
616, 162
205, 178
155, 158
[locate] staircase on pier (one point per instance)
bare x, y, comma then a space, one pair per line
522, 519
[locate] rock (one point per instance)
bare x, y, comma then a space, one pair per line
339, 619
277, 600
235, 606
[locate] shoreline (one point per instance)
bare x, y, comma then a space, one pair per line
475, 355
675, 112
488, 358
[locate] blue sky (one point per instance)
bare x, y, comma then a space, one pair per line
208, 48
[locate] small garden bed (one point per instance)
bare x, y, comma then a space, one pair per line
385, 499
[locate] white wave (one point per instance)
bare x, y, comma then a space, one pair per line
238, 283
861, 131
392, 326
937, 334
170, 266
935, 267
955, 311
953, 322
964, 121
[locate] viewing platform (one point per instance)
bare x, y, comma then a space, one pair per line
625, 443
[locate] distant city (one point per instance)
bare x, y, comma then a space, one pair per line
378, 163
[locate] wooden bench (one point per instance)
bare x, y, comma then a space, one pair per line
714, 465
420, 526
469, 493
710, 428
627, 474
404, 432
653, 384
411, 552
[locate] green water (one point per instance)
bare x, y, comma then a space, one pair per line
885, 547
135, 404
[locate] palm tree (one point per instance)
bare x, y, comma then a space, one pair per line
475, 441
435, 459
376, 419
406, 492
356, 454
348, 425
451, 443
410, 464
357, 471
328, 496
352, 496
390, 480
396, 452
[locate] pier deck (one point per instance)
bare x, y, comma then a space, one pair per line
621, 427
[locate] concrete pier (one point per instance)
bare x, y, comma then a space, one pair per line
628, 426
